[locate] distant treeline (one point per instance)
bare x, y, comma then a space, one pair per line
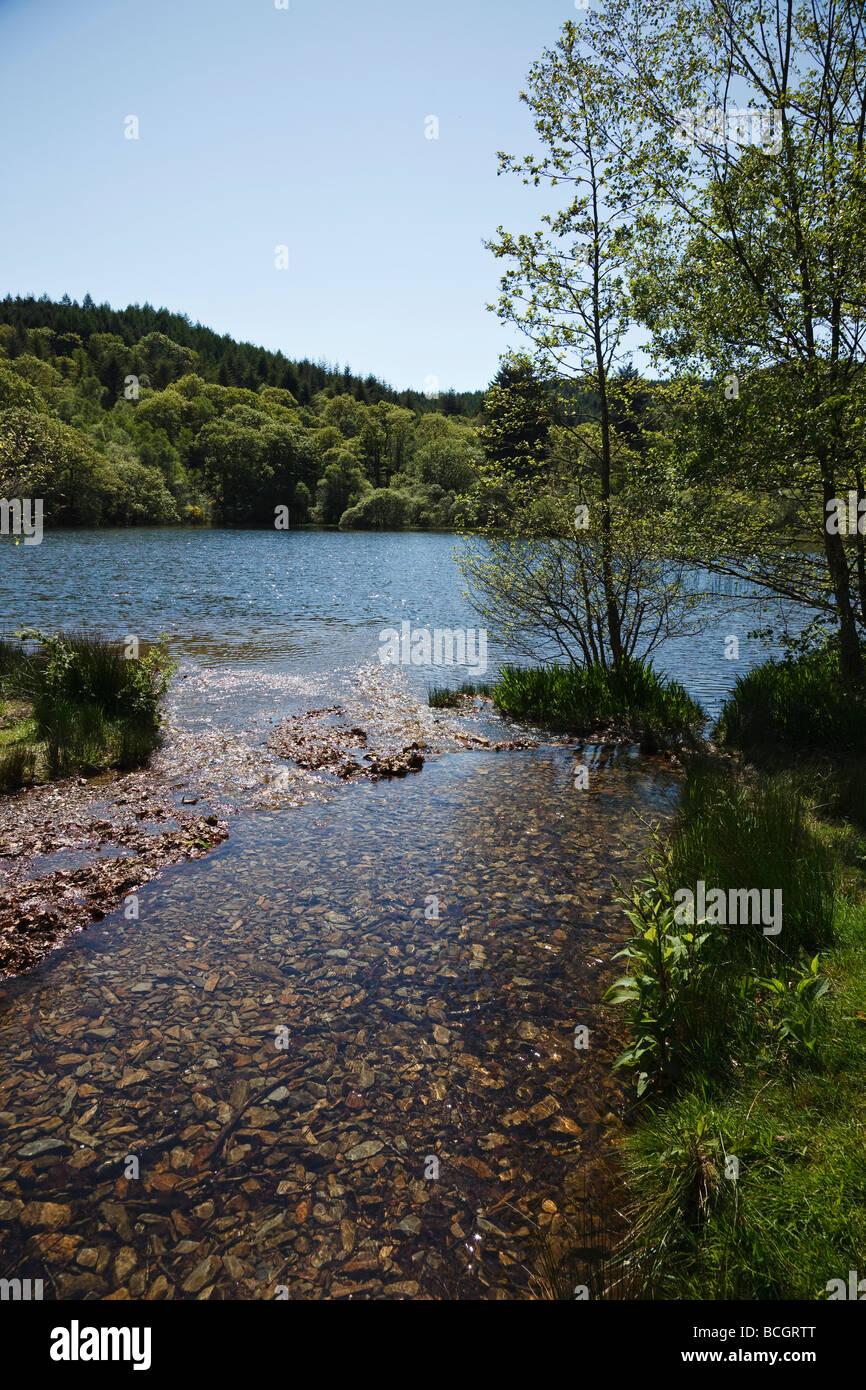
218, 359
137, 416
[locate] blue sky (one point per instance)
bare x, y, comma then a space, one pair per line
261, 127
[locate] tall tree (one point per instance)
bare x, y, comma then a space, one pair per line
517, 417
754, 257
566, 286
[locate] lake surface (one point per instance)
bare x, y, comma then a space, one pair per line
389, 982
303, 602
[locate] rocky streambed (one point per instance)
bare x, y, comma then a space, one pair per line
338, 1057
74, 850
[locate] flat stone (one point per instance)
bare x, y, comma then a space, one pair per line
125, 1262
365, 1150
42, 1146
53, 1247
202, 1274
48, 1215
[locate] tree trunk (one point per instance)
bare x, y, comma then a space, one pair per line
614, 619
849, 638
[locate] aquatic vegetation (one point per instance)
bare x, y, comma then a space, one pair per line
799, 703
446, 697
632, 698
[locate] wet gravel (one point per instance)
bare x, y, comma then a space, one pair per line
337, 1057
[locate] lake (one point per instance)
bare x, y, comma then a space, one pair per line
338, 1056
304, 602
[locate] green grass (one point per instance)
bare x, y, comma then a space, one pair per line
794, 704
761, 1058
633, 699
444, 697
83, 705
752, 831
17, 766
796, 1215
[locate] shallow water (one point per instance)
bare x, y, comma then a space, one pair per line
429, 947
418, 1038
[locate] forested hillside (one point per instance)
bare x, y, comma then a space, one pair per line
138, 416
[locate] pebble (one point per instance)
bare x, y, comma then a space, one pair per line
423, 1038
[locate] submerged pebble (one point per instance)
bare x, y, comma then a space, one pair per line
337, 1058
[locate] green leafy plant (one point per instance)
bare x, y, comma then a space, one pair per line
664, 959
792, 1006
149, 679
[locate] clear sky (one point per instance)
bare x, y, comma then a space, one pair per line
262, 127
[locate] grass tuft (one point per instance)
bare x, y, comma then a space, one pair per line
444, 697
799, 703
88, 706
633, 698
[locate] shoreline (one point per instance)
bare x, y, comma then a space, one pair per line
532, 1162
42, 905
